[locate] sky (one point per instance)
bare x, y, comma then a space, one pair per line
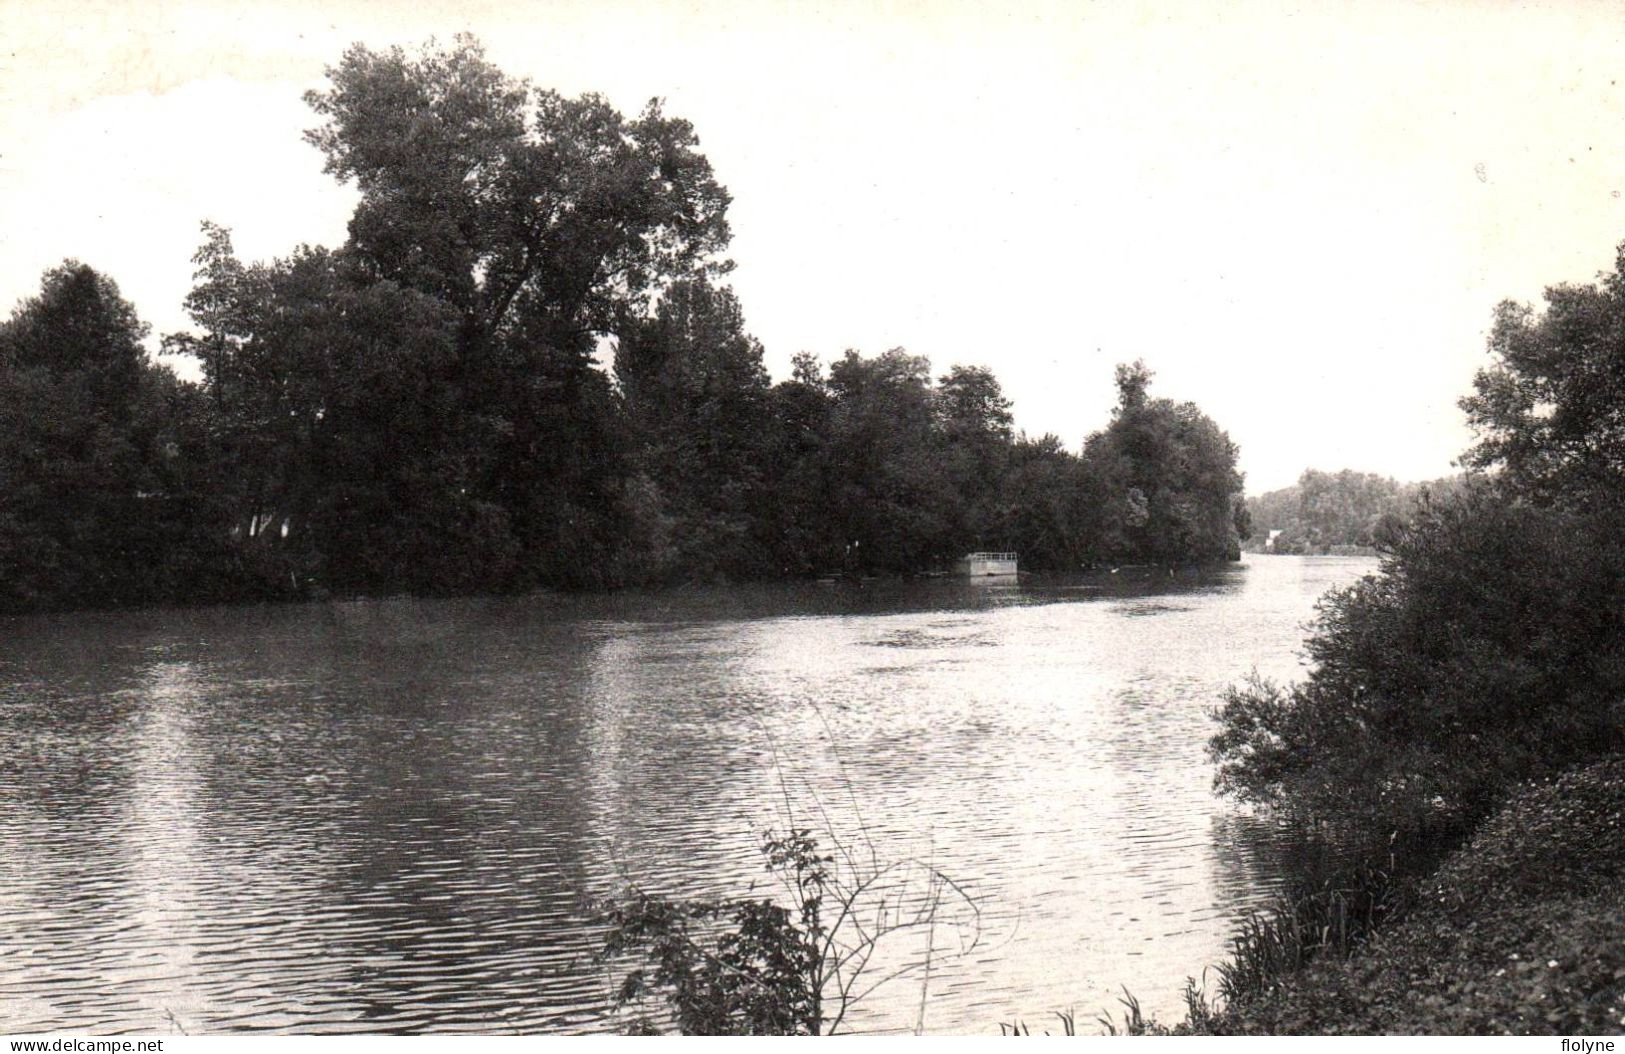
1301, 216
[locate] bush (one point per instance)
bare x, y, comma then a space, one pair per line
751, 966
1489, 650
1565, 837
1522, 931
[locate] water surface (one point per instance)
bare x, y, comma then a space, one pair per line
396, 815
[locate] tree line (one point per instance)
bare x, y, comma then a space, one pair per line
426, 408
1326, 511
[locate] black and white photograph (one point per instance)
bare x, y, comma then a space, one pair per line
809, 517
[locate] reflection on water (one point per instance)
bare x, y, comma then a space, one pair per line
396, 815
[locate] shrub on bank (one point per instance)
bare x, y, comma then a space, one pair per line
1490, 650
793, 964
1521, 931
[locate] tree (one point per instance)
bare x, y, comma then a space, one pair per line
522, 208
104, 458
806, 538
892, 499
1133, 385
1171, 476
80, 326
1550, 408
696, 398
976, 428
420, 409
540, 224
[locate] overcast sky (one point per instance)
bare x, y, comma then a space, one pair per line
1300, 216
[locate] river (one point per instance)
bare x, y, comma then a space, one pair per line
398, 815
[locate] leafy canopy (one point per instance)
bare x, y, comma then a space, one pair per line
515, 204
1550, 408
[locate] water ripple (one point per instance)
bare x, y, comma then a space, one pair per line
396, 816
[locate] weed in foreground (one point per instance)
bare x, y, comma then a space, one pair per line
752, 966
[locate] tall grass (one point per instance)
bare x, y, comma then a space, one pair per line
1134, 1022
1198, 1016
1334, 919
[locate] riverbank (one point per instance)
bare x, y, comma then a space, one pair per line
1521, 931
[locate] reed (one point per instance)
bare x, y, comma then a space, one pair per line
1334, 919
1069, 1026
1134, 1022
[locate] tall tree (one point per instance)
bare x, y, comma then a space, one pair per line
542, 224
696, 396
804, 535
103, 458
1172, 475
976, 425
420, 408
892, 498
1052, 504
1549, 410
520, 207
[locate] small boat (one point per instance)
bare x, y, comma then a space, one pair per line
987, 565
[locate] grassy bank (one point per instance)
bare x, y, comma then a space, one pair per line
1521, 931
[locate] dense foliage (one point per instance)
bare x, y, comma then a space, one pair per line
1336, 511
1520, 932
109, 467
1491, 647
1488, 651
426, 407
1170, 476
